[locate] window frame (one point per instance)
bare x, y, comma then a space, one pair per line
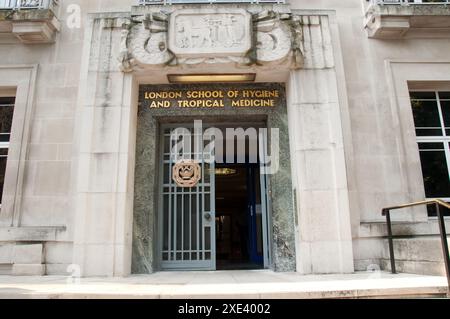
444, 139
20, 79
6, 145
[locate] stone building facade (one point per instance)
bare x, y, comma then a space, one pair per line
83, 184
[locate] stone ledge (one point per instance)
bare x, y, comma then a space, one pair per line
379, 229
5, 269
30, 234
412, 21
57, 269
418, 267
28, 270
28, 254
30, 26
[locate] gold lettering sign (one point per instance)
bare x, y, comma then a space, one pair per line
187, 98
187, 173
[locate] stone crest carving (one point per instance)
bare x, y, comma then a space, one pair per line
187, 173
211, 36
212, 33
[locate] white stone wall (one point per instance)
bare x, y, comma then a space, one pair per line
374, 136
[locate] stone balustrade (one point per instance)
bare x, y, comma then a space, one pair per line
27, 4
396, 19
29, 21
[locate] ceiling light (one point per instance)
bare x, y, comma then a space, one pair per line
225, 171
210, 78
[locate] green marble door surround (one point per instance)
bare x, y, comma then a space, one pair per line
145, 236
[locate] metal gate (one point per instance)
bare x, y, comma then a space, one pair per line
187, 214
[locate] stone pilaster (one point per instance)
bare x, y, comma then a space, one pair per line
324, 240
103, 222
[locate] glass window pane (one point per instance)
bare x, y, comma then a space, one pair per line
187, 223
165, 222
167, 174
431, 146
423, 95
7, 100
207, 238
194, 223
6, 116
435, 174
429, 132
426, 117
444, 95
445, 106
432, 211
3, 160
167, 144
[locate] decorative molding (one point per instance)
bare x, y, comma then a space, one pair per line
187, 173
226, 35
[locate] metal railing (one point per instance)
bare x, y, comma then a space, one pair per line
409, 2
443, 233
169, 2
26, 4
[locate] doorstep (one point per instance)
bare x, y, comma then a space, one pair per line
226, 285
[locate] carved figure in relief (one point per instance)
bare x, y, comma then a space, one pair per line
194, 34
210, 31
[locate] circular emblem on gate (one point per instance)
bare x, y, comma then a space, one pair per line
187, 173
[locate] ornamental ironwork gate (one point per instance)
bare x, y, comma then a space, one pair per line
187, 213
187, 218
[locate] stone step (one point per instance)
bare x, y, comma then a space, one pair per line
427, 268
228, 285
421, 255
417, 248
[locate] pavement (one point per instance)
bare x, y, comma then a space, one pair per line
260, 284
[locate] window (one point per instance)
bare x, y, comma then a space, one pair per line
431, 112
6, 116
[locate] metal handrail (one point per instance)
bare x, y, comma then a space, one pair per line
443, 233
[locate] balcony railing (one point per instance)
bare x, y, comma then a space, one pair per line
409, 2
169, 2
26, 4
397, 19
29, 21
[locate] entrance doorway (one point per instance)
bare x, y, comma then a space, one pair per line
239, 238
222, 221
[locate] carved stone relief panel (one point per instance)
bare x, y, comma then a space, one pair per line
227, 35
219, 32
